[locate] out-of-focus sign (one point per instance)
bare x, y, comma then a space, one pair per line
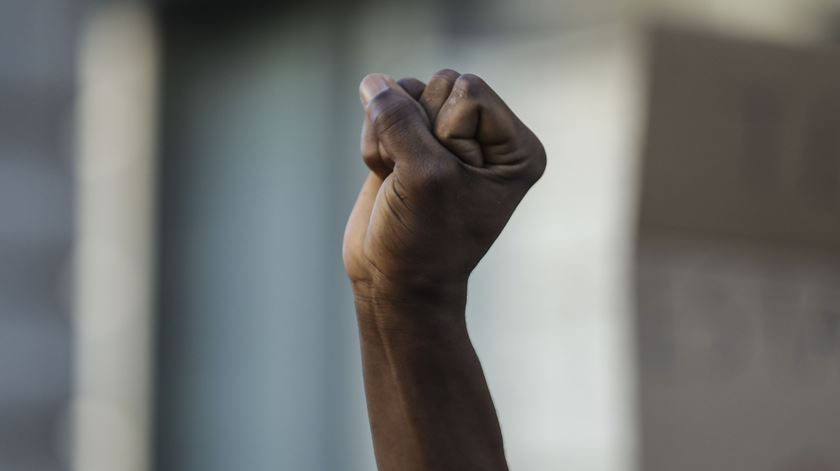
738, 258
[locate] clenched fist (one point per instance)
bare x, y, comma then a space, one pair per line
449, 164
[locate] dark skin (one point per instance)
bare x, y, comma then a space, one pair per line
449, 162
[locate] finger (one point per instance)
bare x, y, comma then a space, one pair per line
374, 156
373, 83
402, 126
412, 86
478, 127
437, 91
357, 224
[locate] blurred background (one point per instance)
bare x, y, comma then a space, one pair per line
175, 177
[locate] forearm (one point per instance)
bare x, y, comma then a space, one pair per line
428, 401
449, 164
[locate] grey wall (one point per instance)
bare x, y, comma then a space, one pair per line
37, 57
257, 365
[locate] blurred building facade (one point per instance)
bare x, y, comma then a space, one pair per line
550, 307
737, 269
37, 94
247, 319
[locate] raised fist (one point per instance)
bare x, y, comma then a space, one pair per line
449, 164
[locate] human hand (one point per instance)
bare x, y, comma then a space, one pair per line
449, 164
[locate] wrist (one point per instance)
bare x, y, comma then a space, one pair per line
386, 293
402, 307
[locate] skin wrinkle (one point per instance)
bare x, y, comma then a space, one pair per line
390, 203
399, 190
453, 168
392, 115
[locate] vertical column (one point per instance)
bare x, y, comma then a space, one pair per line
114, 240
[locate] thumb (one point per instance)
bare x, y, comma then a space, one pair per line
399, 121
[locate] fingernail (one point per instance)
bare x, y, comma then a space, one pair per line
372, 85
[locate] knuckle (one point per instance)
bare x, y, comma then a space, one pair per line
369, 147
412, 86
446, 74
472, 85
537, 163
443, 130
371, 158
